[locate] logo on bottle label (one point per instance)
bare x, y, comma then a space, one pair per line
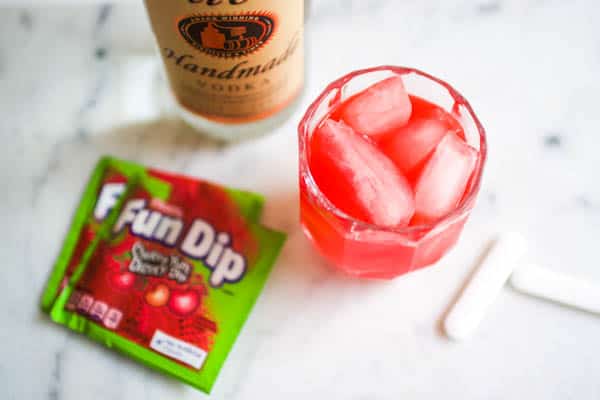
227, 36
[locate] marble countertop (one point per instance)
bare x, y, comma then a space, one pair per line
530, 69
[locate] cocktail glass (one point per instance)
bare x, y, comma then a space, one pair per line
369, 251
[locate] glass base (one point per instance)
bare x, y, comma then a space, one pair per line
235, 132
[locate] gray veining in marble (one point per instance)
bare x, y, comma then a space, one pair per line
530, 69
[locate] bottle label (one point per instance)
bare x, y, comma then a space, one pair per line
231, 61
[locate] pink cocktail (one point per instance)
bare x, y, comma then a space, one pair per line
391, 161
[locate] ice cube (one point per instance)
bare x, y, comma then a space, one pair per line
442, 182
380, 109
412, 144
358, 178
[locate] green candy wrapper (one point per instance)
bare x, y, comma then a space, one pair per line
170, 273
108, 179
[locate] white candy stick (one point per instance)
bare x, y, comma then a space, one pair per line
561, 288
483, 287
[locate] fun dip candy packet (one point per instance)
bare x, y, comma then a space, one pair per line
170, 274
106, 184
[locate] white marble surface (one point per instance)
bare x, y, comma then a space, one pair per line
530, 69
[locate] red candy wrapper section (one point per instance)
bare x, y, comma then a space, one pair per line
104, 188
170, 274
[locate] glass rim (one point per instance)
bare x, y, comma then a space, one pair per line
305, 174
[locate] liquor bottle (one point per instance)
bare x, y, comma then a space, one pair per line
234, 67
